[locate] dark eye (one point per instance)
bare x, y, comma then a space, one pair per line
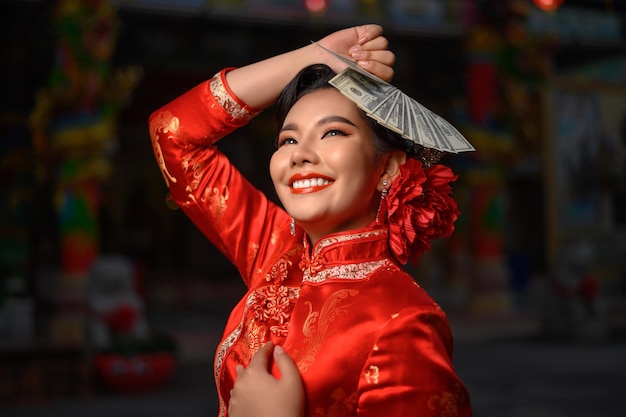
285, 141
334, 132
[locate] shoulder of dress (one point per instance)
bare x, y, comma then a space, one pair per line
393, 275
420, 319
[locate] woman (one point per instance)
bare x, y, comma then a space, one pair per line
323, 274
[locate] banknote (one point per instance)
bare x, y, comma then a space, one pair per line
381, 112
366, 92
422, 134
395, 110
457, 141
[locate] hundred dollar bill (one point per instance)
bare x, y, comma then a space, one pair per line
439, 133
381, 112
457, 141
395, 119
412, 132
430, 124
367, 93
424, 132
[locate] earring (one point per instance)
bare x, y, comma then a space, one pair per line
383, 194
293, 227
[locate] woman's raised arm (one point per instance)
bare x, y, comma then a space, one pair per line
259, 84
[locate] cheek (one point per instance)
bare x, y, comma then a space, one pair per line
364, 168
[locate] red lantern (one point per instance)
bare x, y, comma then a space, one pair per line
548, 5
316, 6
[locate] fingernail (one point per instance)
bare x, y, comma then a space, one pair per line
363, 63
278, 350
238, 368
362, 39
357, 55
353, 49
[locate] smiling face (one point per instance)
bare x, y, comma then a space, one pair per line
325, 169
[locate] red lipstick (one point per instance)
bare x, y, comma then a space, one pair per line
308, 176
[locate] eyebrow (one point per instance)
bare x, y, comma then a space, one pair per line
322, 121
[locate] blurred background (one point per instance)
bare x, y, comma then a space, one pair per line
113, 303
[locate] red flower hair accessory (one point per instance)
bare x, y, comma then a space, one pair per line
420, 209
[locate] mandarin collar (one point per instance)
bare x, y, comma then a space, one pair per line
360, 245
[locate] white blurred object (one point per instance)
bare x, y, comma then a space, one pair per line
113, 301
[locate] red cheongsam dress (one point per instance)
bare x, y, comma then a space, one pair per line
367, 340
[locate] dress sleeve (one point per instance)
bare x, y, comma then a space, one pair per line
234, 215
409, 371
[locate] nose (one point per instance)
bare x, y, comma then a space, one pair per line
303, 153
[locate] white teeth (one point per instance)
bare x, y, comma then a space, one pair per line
312, 182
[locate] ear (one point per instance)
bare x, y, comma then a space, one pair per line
394, 160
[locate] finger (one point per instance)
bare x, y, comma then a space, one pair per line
239, 369
233, 408
287, 367
384, 57
380, 70
261, 357
366, 33
378, 43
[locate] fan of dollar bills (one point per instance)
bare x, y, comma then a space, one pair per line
393, 109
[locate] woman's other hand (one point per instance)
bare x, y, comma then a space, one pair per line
257, 393
365, 44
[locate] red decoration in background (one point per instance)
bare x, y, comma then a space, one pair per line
482, 91
316, 6
122, 319
548, 5
135, 374
485, 216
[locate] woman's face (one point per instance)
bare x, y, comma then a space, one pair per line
325, 169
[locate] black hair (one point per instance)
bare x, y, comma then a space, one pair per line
316, 77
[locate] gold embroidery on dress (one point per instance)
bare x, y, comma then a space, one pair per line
189, 162
163, 122
253, 339
360, 270
191, 200
343, 405
274, 237
279, 271
229, 341
372, 374
447, 403
317, 324
274, 305
346, 238
232, 107
217, 201
280, 268
219, 361
252, 251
